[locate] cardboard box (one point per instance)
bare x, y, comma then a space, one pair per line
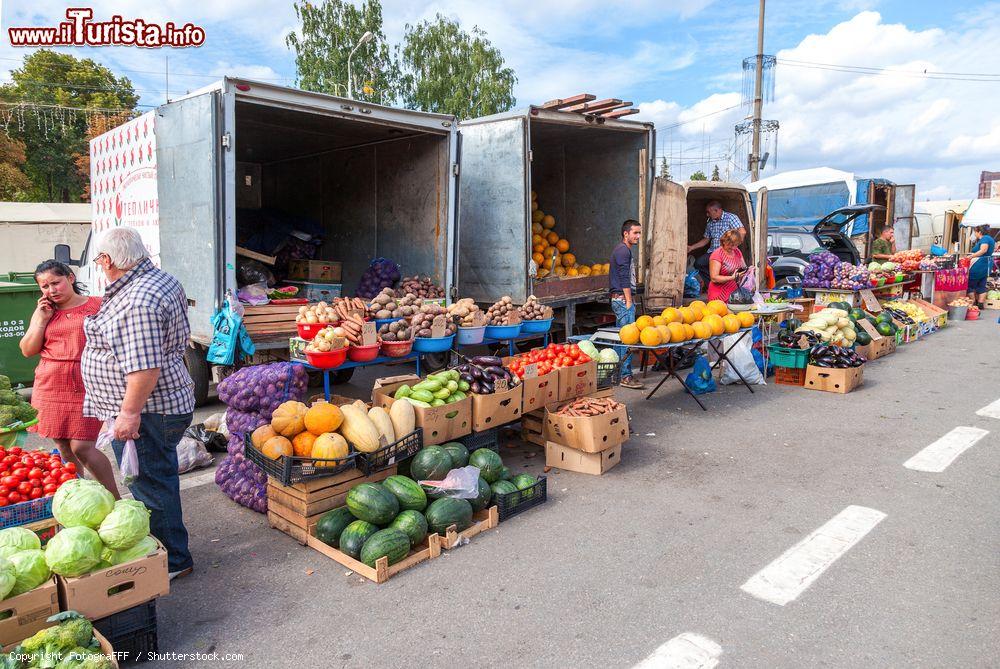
319, 271
538, 391
570, 459
297, 349
440, 424
317, 292
107, 591
489, 411
590, 434
28, 612
577, 381
834, 380
106, 648
990, 304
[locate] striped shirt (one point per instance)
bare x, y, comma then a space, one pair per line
142, 324
715, 229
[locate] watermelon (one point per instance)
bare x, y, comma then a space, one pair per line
458, 452
430, 464
884, 317
354, 536
390, 543
448, 511
505, 473
489, 463
863, 338
502, 488
407, 491
792, 324
372, 502
482, 500
885, 329
331, 524
412, 524
524, 481
856, 314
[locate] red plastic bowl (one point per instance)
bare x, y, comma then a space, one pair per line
363, 353
327, 360
397, 349
308, 331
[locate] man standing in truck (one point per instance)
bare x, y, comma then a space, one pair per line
622, 289
718, 223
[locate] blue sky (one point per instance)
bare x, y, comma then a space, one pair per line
679, 61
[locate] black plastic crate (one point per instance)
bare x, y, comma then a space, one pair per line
132, 632
135, 647
608, 374
512, 503
386, 457
289, 469
489, 439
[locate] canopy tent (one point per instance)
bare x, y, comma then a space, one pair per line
810, 177
982, 212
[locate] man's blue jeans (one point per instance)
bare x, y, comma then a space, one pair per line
623, 316
158, 485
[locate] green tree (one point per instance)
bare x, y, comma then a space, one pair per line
14, 183
327, 34
450, 71
53, 137
698, 176
664, 167
715, 174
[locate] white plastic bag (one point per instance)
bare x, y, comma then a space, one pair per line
129, 466
191, 454
741, 358
462, 483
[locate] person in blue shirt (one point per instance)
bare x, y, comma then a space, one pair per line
982, 262
621, 279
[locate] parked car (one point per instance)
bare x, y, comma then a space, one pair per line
788, 248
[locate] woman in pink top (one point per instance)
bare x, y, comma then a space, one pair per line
725, 267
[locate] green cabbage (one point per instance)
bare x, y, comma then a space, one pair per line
30, 570
17, 539
607, 355
82, 503
127, 523
73, 551
8, 577
146, 546
588, 347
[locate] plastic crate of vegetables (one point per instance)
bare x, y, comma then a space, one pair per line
289, 469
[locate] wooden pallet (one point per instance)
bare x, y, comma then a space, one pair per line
271, 318
382, 571
293, 509
483, 520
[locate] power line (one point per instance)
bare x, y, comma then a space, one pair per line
883, 71
698, 118
119, 110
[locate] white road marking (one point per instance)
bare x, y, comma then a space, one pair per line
944, 451
199, 479
684, 651
990, 410
787, 577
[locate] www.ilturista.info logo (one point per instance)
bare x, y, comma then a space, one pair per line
80, 30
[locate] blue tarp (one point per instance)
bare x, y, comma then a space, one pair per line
804, 206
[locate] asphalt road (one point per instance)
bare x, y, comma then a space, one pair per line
614, 567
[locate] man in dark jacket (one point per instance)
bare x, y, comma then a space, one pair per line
622, 290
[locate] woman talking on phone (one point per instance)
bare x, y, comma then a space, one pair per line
726, 267
56, 334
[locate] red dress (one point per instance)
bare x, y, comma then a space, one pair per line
730, 262
58, 389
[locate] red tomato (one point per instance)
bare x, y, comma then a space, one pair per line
35, 473
50, 487
48, 479
9, 460
17, 450
3, 452
28, 460
14, 497
10, 481
4, 501
35, 493
20, 472
66, 477
24, 487
70, 467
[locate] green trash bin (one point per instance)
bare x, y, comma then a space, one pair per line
21, 277
17, 303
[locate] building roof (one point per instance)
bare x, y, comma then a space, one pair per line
44, 212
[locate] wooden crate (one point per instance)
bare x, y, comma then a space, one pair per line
383, 571
293, 509
483, 520
271, 318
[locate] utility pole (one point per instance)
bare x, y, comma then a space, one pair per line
758, 97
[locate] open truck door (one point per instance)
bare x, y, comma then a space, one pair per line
759, 242
666, 245
902, 215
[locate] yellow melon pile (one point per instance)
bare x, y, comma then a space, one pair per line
695, 321
546, 245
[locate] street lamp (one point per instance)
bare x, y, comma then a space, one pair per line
367, 37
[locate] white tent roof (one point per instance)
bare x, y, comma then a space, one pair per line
810, 177
982, 212
44, 212
936, 207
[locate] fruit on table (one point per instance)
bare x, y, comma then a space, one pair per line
408, 493
832, 325
458, 453
322, 417
359, 430
488, 462
275, 447
412, 524
329, 446
332, 523
396, 331
501, 312
745, 318
431, 463
650, 336
447, 511
289, 418
422, 287
373, 503
731, 323
629, 334
389, 543
354, 536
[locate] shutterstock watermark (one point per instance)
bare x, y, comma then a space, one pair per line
81, 30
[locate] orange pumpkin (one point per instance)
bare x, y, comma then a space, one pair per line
731, 323
275, 447
261, 435
329, 446
323, 417
746, 319
288, 419
302, 444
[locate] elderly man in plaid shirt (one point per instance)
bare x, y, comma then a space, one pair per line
718, 223
134, 375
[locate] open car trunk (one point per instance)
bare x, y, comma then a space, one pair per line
364, 188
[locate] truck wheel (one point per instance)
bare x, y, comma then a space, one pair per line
198, 368
343, 376
435, 361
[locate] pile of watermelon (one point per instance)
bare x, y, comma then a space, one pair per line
390, 518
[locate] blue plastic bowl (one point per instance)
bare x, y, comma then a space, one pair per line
470, 336
379, 322
503, 331
433, 344
543, 325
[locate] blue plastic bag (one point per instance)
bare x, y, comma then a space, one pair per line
692, 285
700, 381
229, 337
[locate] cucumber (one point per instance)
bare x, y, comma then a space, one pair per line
418, 403
459, 395
452, 386
438, 403
429, 384
463, 386
422, 395
442, 394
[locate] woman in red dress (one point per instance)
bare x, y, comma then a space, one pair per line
56, 333
725, 267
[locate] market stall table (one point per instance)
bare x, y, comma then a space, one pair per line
769, 317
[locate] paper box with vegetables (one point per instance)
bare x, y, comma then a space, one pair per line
444, 416
587, 424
